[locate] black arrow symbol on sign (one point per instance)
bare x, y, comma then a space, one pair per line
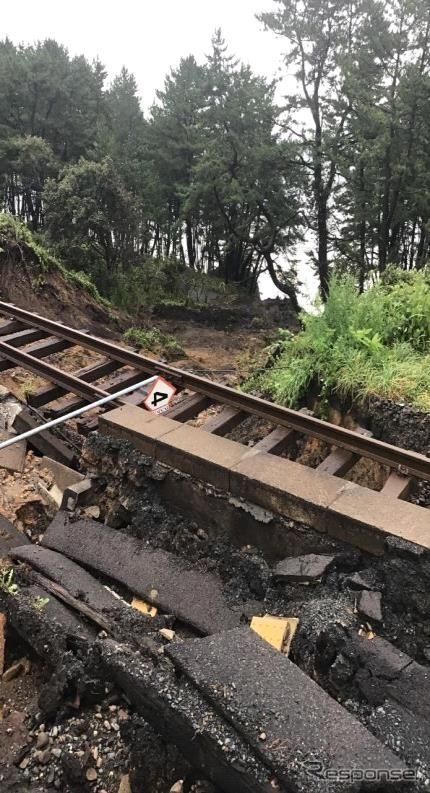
157, 397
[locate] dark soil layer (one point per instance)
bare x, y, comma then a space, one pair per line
267, 314
397, 423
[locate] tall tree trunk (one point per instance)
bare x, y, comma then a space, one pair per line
286, 289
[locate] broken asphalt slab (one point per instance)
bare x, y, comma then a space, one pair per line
293, 725
159, 577
179, 712
172, 705
113, 614
303, 569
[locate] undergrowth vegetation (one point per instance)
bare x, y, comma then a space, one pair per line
20, 245
155, 340
377, 343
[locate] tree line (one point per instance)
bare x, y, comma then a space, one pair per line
229, 173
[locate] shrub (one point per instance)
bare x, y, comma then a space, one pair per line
359, 345
155, 340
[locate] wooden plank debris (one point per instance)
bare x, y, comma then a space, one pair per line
45, 442
13, 457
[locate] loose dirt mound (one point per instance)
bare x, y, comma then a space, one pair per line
32, 279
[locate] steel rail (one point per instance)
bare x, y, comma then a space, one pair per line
404, 461
74, 414
51, 373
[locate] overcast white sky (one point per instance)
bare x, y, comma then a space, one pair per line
146, 36
149, 37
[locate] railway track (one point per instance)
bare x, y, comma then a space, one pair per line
27, 340
225, 694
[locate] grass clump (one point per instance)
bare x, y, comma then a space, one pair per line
377, 343
154, 340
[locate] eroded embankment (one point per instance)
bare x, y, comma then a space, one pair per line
363, 634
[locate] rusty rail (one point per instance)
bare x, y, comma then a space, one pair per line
403, 461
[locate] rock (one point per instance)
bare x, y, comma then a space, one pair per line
301, 569
370, 605
359, 581
124, 786
91, 774
178, 787
426, 653
92, 512
13, 737
42, 740
167, 634
14, 671
43, 757
72, 769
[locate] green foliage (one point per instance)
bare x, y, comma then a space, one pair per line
374, 343
83, 281
7, 581
155, 340
16, 239
40, 603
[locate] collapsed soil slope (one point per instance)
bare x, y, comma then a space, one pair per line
32, 279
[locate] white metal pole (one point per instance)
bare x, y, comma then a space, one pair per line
75, 413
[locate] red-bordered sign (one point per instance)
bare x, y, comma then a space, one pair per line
160, 396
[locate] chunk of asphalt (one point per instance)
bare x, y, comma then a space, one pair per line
301, 569
80, 584
10, 537
370, 605
359, 581
295, 727
157, 576
44, 622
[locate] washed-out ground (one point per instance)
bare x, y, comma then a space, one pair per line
99, 744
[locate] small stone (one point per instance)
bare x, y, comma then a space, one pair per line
125, 786
426, 653
91, 774
92, 512
302, 569
370, 605
106, 725
167, 634
14, 671
42, 740
262, 736
178, 787
54, 732
56, 752
43, 757
25, 762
